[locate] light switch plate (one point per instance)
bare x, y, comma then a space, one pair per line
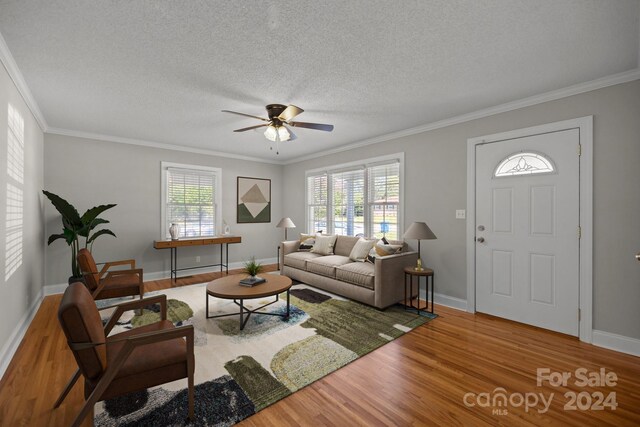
461, 214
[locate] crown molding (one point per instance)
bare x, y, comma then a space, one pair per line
14, 73
600, 83
153, 144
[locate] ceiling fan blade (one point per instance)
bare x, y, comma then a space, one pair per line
316, 126
251, 127
246, 115
289, 113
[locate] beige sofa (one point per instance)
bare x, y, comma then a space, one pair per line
380, 284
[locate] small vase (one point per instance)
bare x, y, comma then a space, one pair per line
174, 231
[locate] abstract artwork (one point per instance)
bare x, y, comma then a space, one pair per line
254, 200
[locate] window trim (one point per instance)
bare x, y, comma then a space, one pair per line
364, 163
164, 166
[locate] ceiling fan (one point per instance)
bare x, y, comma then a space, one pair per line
280, 117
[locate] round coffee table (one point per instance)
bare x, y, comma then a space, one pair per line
229, 287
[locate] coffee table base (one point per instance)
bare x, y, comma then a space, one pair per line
249, 312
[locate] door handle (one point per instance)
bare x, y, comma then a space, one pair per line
638, 256
480, 240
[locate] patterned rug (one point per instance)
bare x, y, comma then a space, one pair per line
238, 373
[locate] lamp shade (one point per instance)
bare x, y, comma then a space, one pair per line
286, 223
419, 231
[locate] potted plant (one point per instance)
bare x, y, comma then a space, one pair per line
252, 268
75, 226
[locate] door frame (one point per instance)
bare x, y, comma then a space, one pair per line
585, 131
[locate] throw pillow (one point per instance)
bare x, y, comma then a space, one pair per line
324, 245
381, 249
384, 250
307, 241
361, 250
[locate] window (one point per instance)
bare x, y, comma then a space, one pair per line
384, 199
14, 213
524, 164
191, 199
356, 199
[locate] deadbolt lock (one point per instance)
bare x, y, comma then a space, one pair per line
481, 228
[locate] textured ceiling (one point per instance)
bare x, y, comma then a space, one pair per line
161, 71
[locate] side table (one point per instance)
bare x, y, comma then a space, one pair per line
410, 273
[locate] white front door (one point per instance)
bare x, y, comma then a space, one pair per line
527, 218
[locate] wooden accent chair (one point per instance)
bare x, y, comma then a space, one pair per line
105, 284
123, 363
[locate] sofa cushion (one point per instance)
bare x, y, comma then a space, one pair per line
324, 245
357, 273
344, 244
326, 265
299, 259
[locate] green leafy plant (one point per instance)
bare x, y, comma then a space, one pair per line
75, 227
252, 268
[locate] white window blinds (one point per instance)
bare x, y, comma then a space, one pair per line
348, 202
317, 197
384, 199
356, 200
190, 201
14, 201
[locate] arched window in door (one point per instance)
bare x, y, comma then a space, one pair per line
524, 163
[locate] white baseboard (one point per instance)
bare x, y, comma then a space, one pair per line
164, 274
446, 300
616, 342
54, 289
453, 302
11, 346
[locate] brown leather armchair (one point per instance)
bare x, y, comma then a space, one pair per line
105, 284
130, 361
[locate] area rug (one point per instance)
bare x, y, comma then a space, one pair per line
238, 373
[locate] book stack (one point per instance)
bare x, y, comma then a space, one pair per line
252, 281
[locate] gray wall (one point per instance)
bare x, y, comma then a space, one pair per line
88, 172
435, 186
22, 290
91, 172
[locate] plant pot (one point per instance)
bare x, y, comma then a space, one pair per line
74, 279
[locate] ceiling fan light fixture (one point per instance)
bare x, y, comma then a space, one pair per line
283, 133
277, 133
271, 133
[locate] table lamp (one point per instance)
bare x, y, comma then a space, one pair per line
419, 231
286, 223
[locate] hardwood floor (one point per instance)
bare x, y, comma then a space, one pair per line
419, 379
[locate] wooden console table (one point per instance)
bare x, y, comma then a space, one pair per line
173, 245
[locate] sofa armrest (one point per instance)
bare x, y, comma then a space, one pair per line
389, 277
287, 248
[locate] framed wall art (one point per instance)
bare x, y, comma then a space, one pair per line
254, 200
